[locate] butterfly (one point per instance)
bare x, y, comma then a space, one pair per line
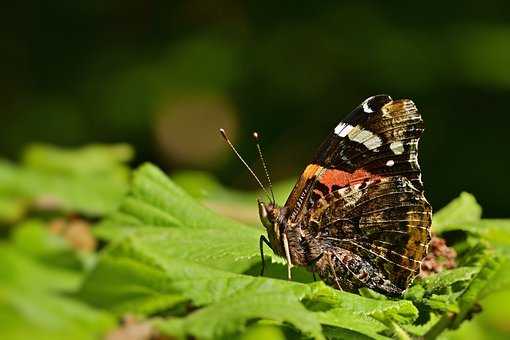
357, 216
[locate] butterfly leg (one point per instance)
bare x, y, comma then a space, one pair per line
312, 264
263, 240
287, 255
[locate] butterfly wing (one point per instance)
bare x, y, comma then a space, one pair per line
377, 139
361, 199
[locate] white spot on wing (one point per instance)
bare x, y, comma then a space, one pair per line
365, 106
343, 129
397, 147
365, 137
391, 162
373, 143
361, 136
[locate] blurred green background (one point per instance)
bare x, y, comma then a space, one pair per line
164, 76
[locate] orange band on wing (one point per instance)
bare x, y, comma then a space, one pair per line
342, 178
308, 175
310, 171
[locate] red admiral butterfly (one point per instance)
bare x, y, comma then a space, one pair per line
357, 216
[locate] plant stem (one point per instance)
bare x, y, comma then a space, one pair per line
443, 324
398, 332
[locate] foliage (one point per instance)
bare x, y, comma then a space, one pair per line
232, 203
90, 180
177, 256
35, 301
192, 272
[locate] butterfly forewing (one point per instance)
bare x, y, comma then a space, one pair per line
382, 138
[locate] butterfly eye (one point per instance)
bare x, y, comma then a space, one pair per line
264, 215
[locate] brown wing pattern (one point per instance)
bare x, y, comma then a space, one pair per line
374, 235
360, 203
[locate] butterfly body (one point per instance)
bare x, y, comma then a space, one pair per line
358, 216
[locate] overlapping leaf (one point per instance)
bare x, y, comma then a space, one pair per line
462, 211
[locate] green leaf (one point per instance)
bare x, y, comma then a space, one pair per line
156, 201
496, 231
356, 314
477, 287
33, 304
231, 314
462, 211
33, 238
263, 332
500, 281
235, 204
91, 180
165, 218
128, 279
136, 280
95, 159
447, 278
381, 309
12, 208
369, 293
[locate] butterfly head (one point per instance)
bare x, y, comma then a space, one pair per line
270, 216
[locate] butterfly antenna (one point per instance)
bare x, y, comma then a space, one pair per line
264, 164
224, 135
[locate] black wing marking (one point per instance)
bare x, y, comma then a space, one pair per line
381, 136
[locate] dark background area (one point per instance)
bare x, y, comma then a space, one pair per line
164, 76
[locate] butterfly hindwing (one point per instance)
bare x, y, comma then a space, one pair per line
381, 231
